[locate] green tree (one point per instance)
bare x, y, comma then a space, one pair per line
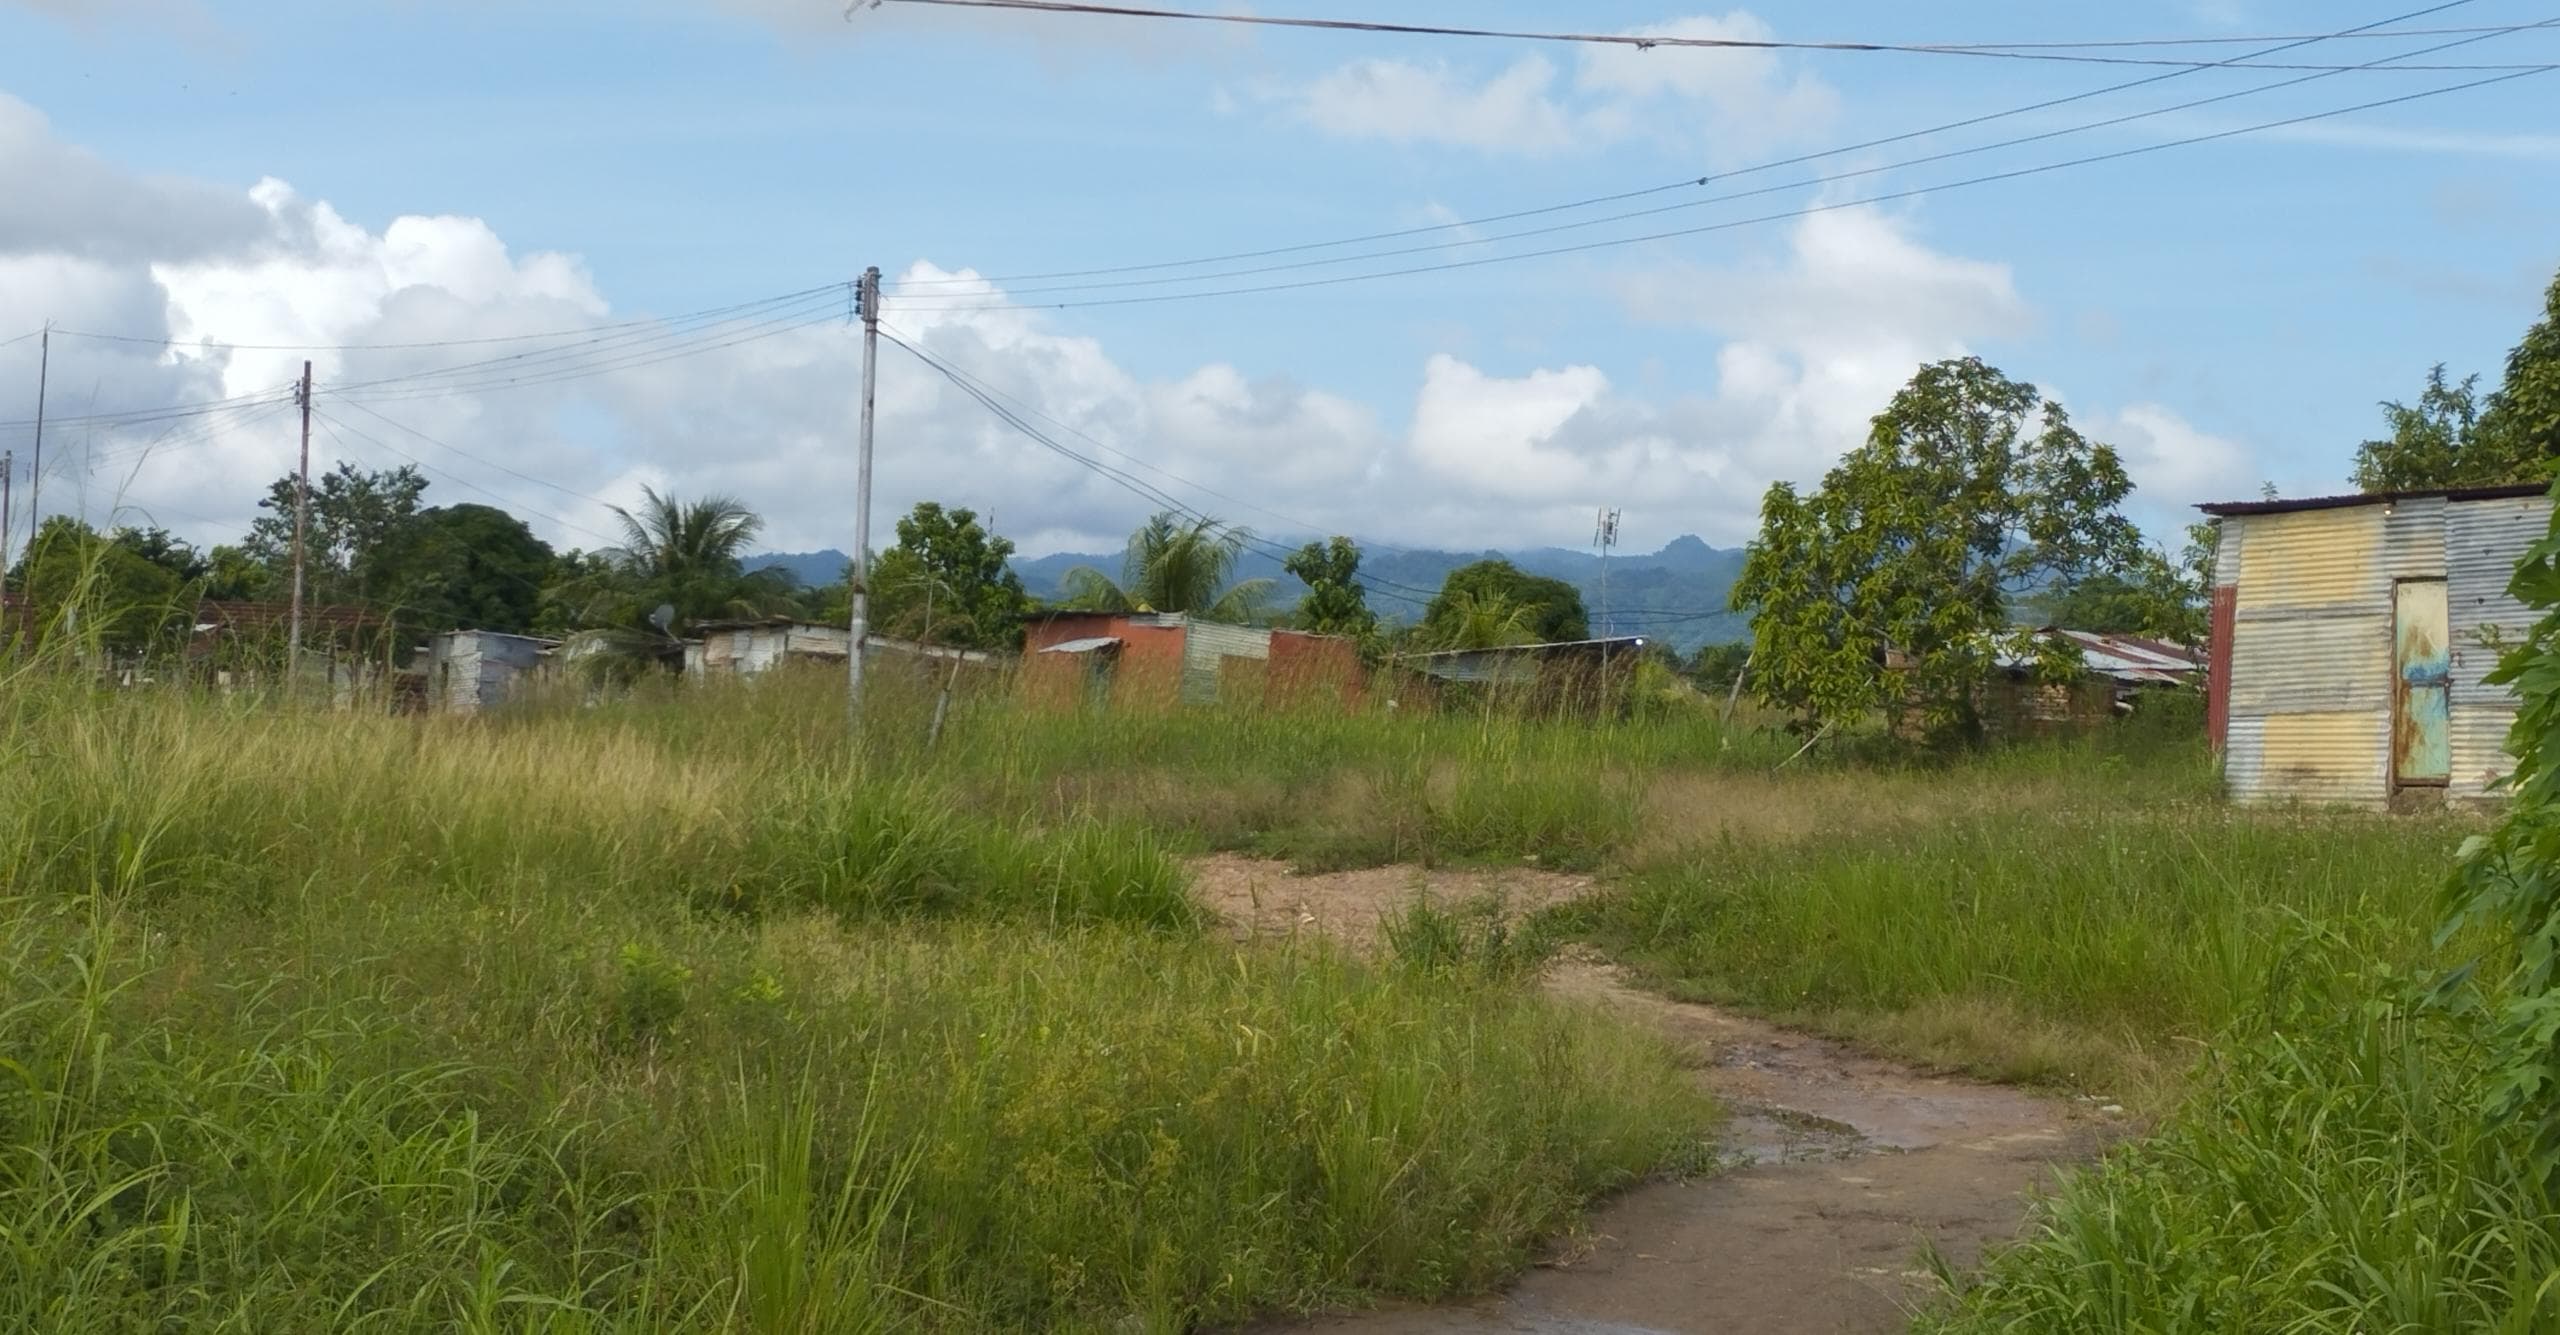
1468, 619
2155, 596
686, 555
948, 581
463, 566
1175, 566
85, 583
2510, 879
2436, 442
354, 515
1714, 666
2522, 420
1335, 603
1969, 485
1550, 610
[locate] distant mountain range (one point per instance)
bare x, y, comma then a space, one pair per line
1676, 594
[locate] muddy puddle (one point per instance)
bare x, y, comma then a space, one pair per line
1845, 1169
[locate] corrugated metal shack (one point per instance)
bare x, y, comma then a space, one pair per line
1567, 676
1157, 659
749, 648
468, 671
2350, 638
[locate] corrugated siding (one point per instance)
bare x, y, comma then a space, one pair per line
2483, 541
2310, 558
1208, 642
2413, 538
2226, 551
2310, 674
2326, 758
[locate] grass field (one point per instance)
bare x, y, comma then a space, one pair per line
685, 1012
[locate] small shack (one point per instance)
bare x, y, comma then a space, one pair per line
2116, 671
468, 671
2351, 640
1567, 676
749, 648
1160, 659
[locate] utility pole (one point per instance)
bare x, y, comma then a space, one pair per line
301, 521
1604, 535
868, 296
35, 471
8, 474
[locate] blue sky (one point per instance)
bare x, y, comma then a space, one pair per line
2226, 312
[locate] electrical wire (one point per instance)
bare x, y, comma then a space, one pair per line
569, 492
1636, 41
395, 390
333, 426
1807, 183
431, 343
2362, 30
1807, 211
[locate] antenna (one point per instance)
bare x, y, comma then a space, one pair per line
1604, 535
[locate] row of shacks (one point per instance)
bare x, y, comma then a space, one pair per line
1138, 661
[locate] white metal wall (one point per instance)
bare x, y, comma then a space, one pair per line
1205, 644
2483, 540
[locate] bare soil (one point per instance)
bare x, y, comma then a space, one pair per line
1849, 1167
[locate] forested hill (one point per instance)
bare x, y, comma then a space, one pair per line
1676, 594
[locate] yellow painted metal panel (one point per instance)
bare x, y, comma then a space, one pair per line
2311, 558
2337, 757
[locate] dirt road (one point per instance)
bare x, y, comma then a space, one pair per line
1850, 1164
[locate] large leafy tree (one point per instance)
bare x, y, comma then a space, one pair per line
1969, 485
1550, 610
457, 566
354, 516
2154, 596
948, 581
1335, 603
2522, 419
1175, 565
129, 589
1467, 619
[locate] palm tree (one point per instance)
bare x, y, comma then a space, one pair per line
1174, 566
687, 556
1481, 621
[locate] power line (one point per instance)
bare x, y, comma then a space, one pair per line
164, 342
333, 426
1637, 41
1552, 229
1808, 211
485, 462
2361, 30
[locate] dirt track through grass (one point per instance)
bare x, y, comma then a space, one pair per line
1848, 1170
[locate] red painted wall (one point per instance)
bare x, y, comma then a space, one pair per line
1147, 675
1308, 668
2217, 703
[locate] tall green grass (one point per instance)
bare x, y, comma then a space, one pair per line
629, 1020
2330, 1172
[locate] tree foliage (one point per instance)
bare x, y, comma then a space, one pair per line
1484, 594
686, 555
1175, 565
948, 581
354, 515
2155, 596
2454, 437
1335, 604
2510, 878
128, 589
1969, 485
463, 566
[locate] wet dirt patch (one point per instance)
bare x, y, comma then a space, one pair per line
1846, 1166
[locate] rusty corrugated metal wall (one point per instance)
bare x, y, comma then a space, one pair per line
2310, 685
2483, 540
2311, 658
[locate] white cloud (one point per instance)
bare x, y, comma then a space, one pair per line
1725, 102
1812, 342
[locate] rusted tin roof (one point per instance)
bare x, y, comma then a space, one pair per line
2510, 491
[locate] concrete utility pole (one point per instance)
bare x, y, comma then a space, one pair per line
35, 471
8, 474
868, 295
301, 521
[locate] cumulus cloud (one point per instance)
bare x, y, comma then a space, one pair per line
1724, 102
761, 403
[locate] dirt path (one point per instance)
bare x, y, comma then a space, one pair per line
1850, 1164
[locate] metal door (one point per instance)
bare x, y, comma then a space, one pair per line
2422, 662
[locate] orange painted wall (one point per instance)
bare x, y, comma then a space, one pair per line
1309, 668
1148, 674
